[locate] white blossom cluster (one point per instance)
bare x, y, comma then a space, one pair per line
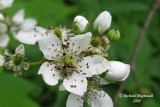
14, 24
16, 62
74, 56
68, 59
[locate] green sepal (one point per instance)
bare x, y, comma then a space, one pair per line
104, 74
97, 31
95, 42
58, 32
76, 29
106, 32
87, 26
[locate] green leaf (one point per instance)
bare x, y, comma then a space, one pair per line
14, 90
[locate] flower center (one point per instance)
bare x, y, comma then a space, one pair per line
17, 60
67, 65
68, 60
95, 42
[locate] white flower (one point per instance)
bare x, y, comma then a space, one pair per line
81, 22
118, 71
18, 18
20, 50
4, 39
32, 36
1, 16
1, 60
68, 64
103, 22
15, 62
94, 97
5, 3
19, 23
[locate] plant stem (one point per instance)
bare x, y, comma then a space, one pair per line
154, 6
36, 63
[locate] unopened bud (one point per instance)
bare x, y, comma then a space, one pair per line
114, 35
58, 32
118, 71
102, 22
80, 24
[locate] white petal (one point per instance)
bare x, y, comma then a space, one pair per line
51, 47
79, 43
61, 87
32, 36
98, 81
81, 22
4, 39
98, 98
1, 16
49, 73
75, 101
127, 74
20, 50
103, 21
28, 24
5, 3
18, 18
93, 65
118, 71
106, 40
15, 30
3, 28
1, 60
76, 83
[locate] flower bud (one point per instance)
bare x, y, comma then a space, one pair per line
114, 35
80, 24
58, 32
118, 71
103, 22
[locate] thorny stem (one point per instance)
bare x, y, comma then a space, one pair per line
154, 6
36, 63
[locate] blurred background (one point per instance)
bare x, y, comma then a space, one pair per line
127, 15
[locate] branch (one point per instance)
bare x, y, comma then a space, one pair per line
154, 6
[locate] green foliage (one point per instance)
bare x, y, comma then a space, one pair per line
14, 90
